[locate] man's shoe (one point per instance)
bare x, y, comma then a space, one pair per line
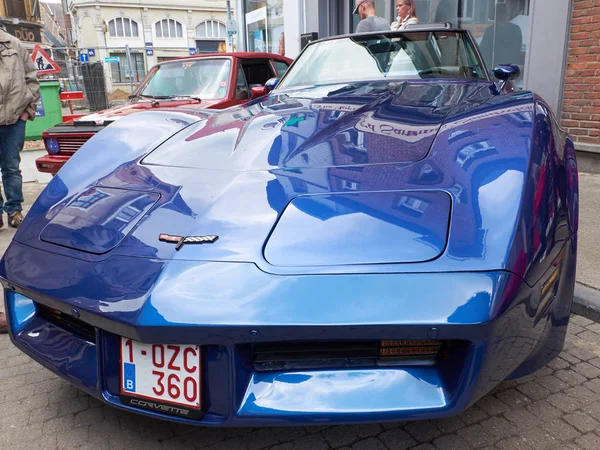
15, 219
3, 324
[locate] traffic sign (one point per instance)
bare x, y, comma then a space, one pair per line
84, 58
192, 51
91, 52
43, 63
231, 26
149, 52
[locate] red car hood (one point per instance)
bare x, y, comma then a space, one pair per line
115, 113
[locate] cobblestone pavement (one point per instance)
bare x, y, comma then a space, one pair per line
556, 408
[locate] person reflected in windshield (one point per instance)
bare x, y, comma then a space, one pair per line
370, 20
407, 14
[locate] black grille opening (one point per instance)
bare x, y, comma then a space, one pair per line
67, 322
341, 354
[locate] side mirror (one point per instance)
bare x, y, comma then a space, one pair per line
271, 83
259, 91
506, 72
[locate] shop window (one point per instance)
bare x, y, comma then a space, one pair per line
123, 27
168, 28
122, 73
500, 27
264, 26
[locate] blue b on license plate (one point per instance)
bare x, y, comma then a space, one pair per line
162, 373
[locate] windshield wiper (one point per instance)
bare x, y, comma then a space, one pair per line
192, 97
155, 97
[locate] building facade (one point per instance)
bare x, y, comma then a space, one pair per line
135, 35
21, 18
581, 104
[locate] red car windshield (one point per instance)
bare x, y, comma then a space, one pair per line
205, 78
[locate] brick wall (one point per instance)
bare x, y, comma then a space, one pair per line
581, 100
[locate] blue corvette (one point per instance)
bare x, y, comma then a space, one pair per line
386, 235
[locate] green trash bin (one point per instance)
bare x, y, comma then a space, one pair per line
49, 112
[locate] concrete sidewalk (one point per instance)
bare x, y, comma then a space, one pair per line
587, 291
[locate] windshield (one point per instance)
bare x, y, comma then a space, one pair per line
437, 54
207, 79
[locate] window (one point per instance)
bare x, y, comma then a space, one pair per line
168, 28
211, 29
468, 10
207, 78
412, 205
122, 73
241, 87
210, 36
438, 54
88, 199
257, 71
281, 67
122, 27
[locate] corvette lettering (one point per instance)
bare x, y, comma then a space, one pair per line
180, 240
159, 407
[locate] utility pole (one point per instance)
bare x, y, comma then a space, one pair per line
131, 72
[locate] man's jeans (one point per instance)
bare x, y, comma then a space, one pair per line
12, 138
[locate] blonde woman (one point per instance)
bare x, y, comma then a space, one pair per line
407, 14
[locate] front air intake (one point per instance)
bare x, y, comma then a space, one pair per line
343, 354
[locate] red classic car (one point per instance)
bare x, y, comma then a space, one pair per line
214, 81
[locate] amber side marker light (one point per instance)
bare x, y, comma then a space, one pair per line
405, 349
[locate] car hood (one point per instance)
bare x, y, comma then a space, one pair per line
109, 115
298, 181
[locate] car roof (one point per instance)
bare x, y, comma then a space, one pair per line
243, 55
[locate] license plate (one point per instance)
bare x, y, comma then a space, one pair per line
161, 377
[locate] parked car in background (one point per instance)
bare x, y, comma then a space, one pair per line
387, 235
214, 81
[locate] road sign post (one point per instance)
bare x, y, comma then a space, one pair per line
231, 27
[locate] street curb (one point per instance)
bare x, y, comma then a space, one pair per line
586, 302
33, 149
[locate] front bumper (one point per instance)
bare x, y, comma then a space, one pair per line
51, 163
494, 312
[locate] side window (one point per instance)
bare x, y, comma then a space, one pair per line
258, 71
241, 86
281, 67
